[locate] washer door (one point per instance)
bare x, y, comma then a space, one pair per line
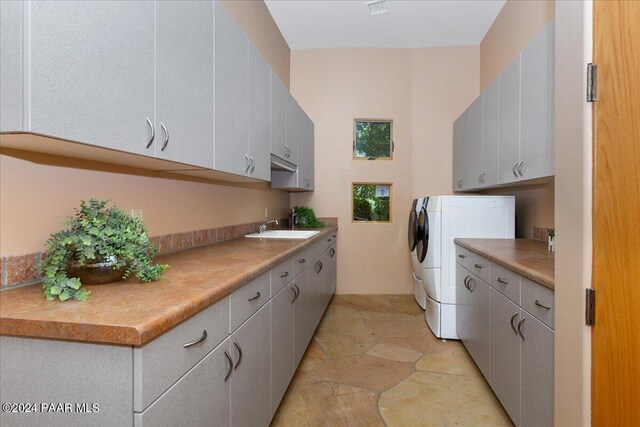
413, 230
423, 235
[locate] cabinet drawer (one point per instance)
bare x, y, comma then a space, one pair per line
301, 261
479, 266
462, 256
281, 275
248, 299
164, 360
201, 397
506, 282
538, 301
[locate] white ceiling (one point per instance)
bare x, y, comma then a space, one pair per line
308, 24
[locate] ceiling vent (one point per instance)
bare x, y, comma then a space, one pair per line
377, 7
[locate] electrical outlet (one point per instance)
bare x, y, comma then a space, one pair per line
136, 213
266, 212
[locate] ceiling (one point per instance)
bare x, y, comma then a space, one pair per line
309, 24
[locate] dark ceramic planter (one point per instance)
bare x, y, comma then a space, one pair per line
96, 274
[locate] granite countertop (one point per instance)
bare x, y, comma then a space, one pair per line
134, 313
528, 258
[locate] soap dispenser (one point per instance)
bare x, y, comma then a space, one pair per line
293, 219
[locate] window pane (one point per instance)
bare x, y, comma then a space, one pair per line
373, 139
372, 202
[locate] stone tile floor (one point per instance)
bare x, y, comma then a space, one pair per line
374, 361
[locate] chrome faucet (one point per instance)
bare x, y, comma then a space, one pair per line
263, 227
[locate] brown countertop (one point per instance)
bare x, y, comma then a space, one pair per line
528, 258
133, 313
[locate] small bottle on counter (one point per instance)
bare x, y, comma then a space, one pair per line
293, 219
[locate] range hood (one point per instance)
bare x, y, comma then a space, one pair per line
279, 164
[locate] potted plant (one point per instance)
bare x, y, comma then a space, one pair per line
307, 218
551, 232
102, 245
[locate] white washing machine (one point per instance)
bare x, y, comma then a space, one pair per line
419, 291
441, 219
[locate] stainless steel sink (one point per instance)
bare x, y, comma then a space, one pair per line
283, 234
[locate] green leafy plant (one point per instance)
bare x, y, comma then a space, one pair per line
97, 233
307, 218
551, 232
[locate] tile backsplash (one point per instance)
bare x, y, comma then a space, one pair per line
22, 269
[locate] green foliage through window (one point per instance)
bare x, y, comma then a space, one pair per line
373, 139
372, 202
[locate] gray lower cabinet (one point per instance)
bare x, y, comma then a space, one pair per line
282, 368
200, 398
478, 328
505, 353
250, 381
305, 314
92, 72
185, 82
536, 372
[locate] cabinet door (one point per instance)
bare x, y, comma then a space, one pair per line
292, 121
92, 72
490, 133
505, 354
509, 121
250, 381
279, 97
478, 323
231, 95
259, 122
459, 166
536, 140
333, 272
11, 65
536, 363
474, 145
463, 305
184, 81
201, 397
305, 153
281, 344
305, 314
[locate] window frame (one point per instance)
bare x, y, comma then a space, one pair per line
392, 148
390, 184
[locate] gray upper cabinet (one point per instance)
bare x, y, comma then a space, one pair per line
92, 72
259, 117
185, 81
279, 96
292, 124
509, 122
231, 96
306, 153
11, 65
537, 120
490, 134
514, 138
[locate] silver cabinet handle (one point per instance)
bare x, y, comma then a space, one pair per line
501, 280
513, 169
230, 360
256, 296
302, 261
332, 252
319, 266
461, 256
296, 292
198, 341
166, 136
295, 295
253, 164
539, 304
153, 132
478, 266
520, 164
469, 284
512, 319
520, 326
235, 343
285, 274
246, 156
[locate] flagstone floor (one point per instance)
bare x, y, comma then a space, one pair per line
374, 361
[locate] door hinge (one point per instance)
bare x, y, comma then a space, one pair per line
590, 307
592, 82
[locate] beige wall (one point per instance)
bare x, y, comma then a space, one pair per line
573, 214
254, 18
516, 25
336, 85
35, 198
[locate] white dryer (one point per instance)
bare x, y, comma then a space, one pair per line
420, 294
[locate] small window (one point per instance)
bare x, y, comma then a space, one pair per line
372, 139
371, 202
